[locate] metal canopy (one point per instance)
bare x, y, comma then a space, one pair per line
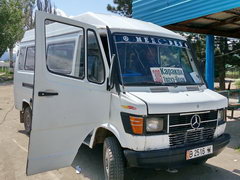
226, 23
216, 17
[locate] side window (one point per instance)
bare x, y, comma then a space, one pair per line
21, 58
79, 70
30, 59
60, 57
95, 66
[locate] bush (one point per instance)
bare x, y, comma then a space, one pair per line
233, 74
7, 76
237, 83
238, 148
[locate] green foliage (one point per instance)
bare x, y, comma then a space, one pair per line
46, 6
237, 83
16, 16
28, 9
11, 23
123, 7
226, 54
234, 74
198, 43
6, 76
238, 149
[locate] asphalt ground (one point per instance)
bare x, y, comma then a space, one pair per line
14, 147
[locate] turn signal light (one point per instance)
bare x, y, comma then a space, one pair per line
136, 124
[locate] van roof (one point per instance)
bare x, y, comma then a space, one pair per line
115, 23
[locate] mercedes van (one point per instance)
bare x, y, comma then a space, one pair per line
131, 85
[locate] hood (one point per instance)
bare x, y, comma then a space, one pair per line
179, 102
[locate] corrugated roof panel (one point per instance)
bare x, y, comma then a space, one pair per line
221, 15
229, 27
164, 12
201, 22
237, 22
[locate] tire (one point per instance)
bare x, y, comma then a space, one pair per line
113, 161
27, 117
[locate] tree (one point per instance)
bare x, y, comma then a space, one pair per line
11, 23
226, 54
123, 7
225, 57
29, 9
16, 16
46, 6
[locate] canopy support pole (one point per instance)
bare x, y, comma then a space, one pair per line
209, 73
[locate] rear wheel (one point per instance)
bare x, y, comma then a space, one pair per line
113, 161
27, 117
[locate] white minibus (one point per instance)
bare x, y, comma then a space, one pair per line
131, 85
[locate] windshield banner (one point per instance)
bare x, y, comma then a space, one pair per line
150, 40
167, 75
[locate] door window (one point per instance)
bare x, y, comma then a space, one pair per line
65, 49
95, 66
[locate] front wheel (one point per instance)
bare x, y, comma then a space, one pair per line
113, 161
27, 117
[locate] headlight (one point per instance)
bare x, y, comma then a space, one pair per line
154, 124
221, 115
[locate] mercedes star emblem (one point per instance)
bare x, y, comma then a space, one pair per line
195, 121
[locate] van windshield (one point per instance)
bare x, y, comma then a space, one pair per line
150, 60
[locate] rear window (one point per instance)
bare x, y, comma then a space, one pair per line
60, 57
30, 59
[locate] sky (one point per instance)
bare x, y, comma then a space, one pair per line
76, 7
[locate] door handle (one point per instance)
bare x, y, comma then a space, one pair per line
43, 93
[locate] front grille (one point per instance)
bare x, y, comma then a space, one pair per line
182, 122
181, 132
191, 137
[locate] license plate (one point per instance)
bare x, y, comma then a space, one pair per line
199, 152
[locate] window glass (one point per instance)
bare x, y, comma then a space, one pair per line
30, 59
21, 58
149, 60
60, 57
79, 70
95, 66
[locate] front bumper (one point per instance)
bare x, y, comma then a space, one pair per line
172, 157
